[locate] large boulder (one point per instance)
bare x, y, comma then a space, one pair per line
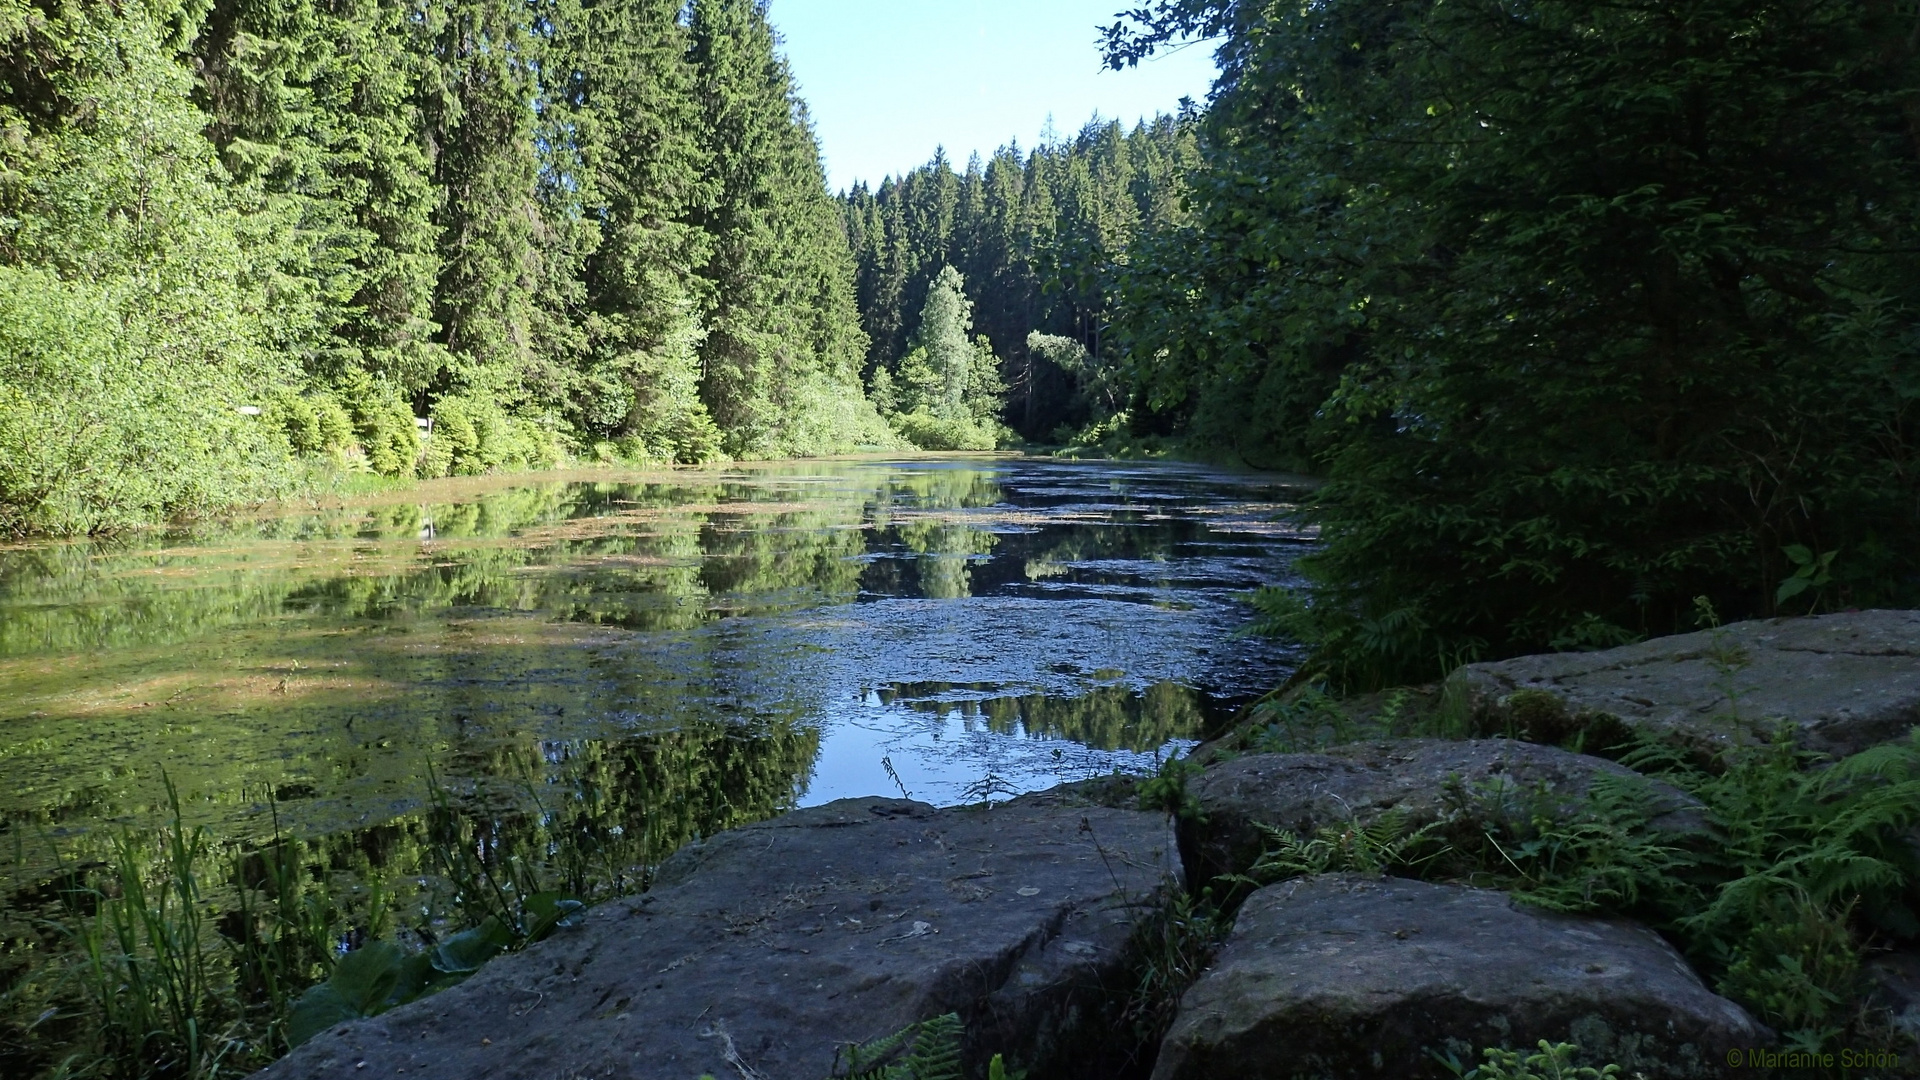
1348, 976
769, 947
1842, 682
1423, 779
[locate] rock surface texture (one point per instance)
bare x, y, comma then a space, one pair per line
763, 950
1344, 975
1895, 982
1423, 778
1843, 682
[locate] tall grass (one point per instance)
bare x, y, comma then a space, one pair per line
175, 958
147, 967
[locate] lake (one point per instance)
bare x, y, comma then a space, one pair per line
638, 658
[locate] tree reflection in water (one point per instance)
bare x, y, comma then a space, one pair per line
598, 668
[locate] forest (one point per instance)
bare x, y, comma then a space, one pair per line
240, 234
1500, 327
1581, 311
244, 243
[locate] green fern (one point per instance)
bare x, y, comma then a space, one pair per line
1384, 844
1553, 1062
927, 1050
1805, 861
936, 1050
1601, 857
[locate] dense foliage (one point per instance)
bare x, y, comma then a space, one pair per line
1036, 239
547, 228
1585, 309
132, 311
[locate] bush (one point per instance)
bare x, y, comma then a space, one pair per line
313, 423
929, 432
130, 307
472, 435
107, 422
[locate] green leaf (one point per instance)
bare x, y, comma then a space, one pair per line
417, 976
320, 1008
463, 953
548, 911
1799, 553
364, 979
1791, 588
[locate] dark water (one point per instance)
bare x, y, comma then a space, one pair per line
657, 655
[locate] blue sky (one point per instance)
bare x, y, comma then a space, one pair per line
889, 80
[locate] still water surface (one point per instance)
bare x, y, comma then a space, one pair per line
668, 653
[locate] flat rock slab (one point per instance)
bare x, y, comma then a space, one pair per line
789, 939
1423, 778
1349, 976
1843, 682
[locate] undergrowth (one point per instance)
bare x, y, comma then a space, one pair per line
180, 960
1794, 869
1555, 1061
1171, 948
1308, 717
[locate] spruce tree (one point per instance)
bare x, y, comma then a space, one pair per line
478, 82
313, 104
629, 83
783, 348
945, 320
1586, 310
1039, 237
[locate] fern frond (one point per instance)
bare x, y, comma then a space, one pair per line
927, 1050
936, 1049
1899, 760
868, 1060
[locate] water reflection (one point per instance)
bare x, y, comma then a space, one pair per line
790, 627
336, 652
599, 668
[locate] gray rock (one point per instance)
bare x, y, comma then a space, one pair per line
1894, 982
1345, 976
828, 926
1424, 778
1843, 682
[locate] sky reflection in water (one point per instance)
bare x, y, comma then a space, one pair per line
951, 628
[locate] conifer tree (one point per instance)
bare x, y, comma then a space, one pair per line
783, 346
313, 104
942, 341
1039, 236
630, 83
479, 78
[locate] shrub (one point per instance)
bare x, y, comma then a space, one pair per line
109, 420
929, 432
472, 435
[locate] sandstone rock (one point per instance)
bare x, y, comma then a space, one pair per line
828, 926
1421, 777
1843, 683
1349, 976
